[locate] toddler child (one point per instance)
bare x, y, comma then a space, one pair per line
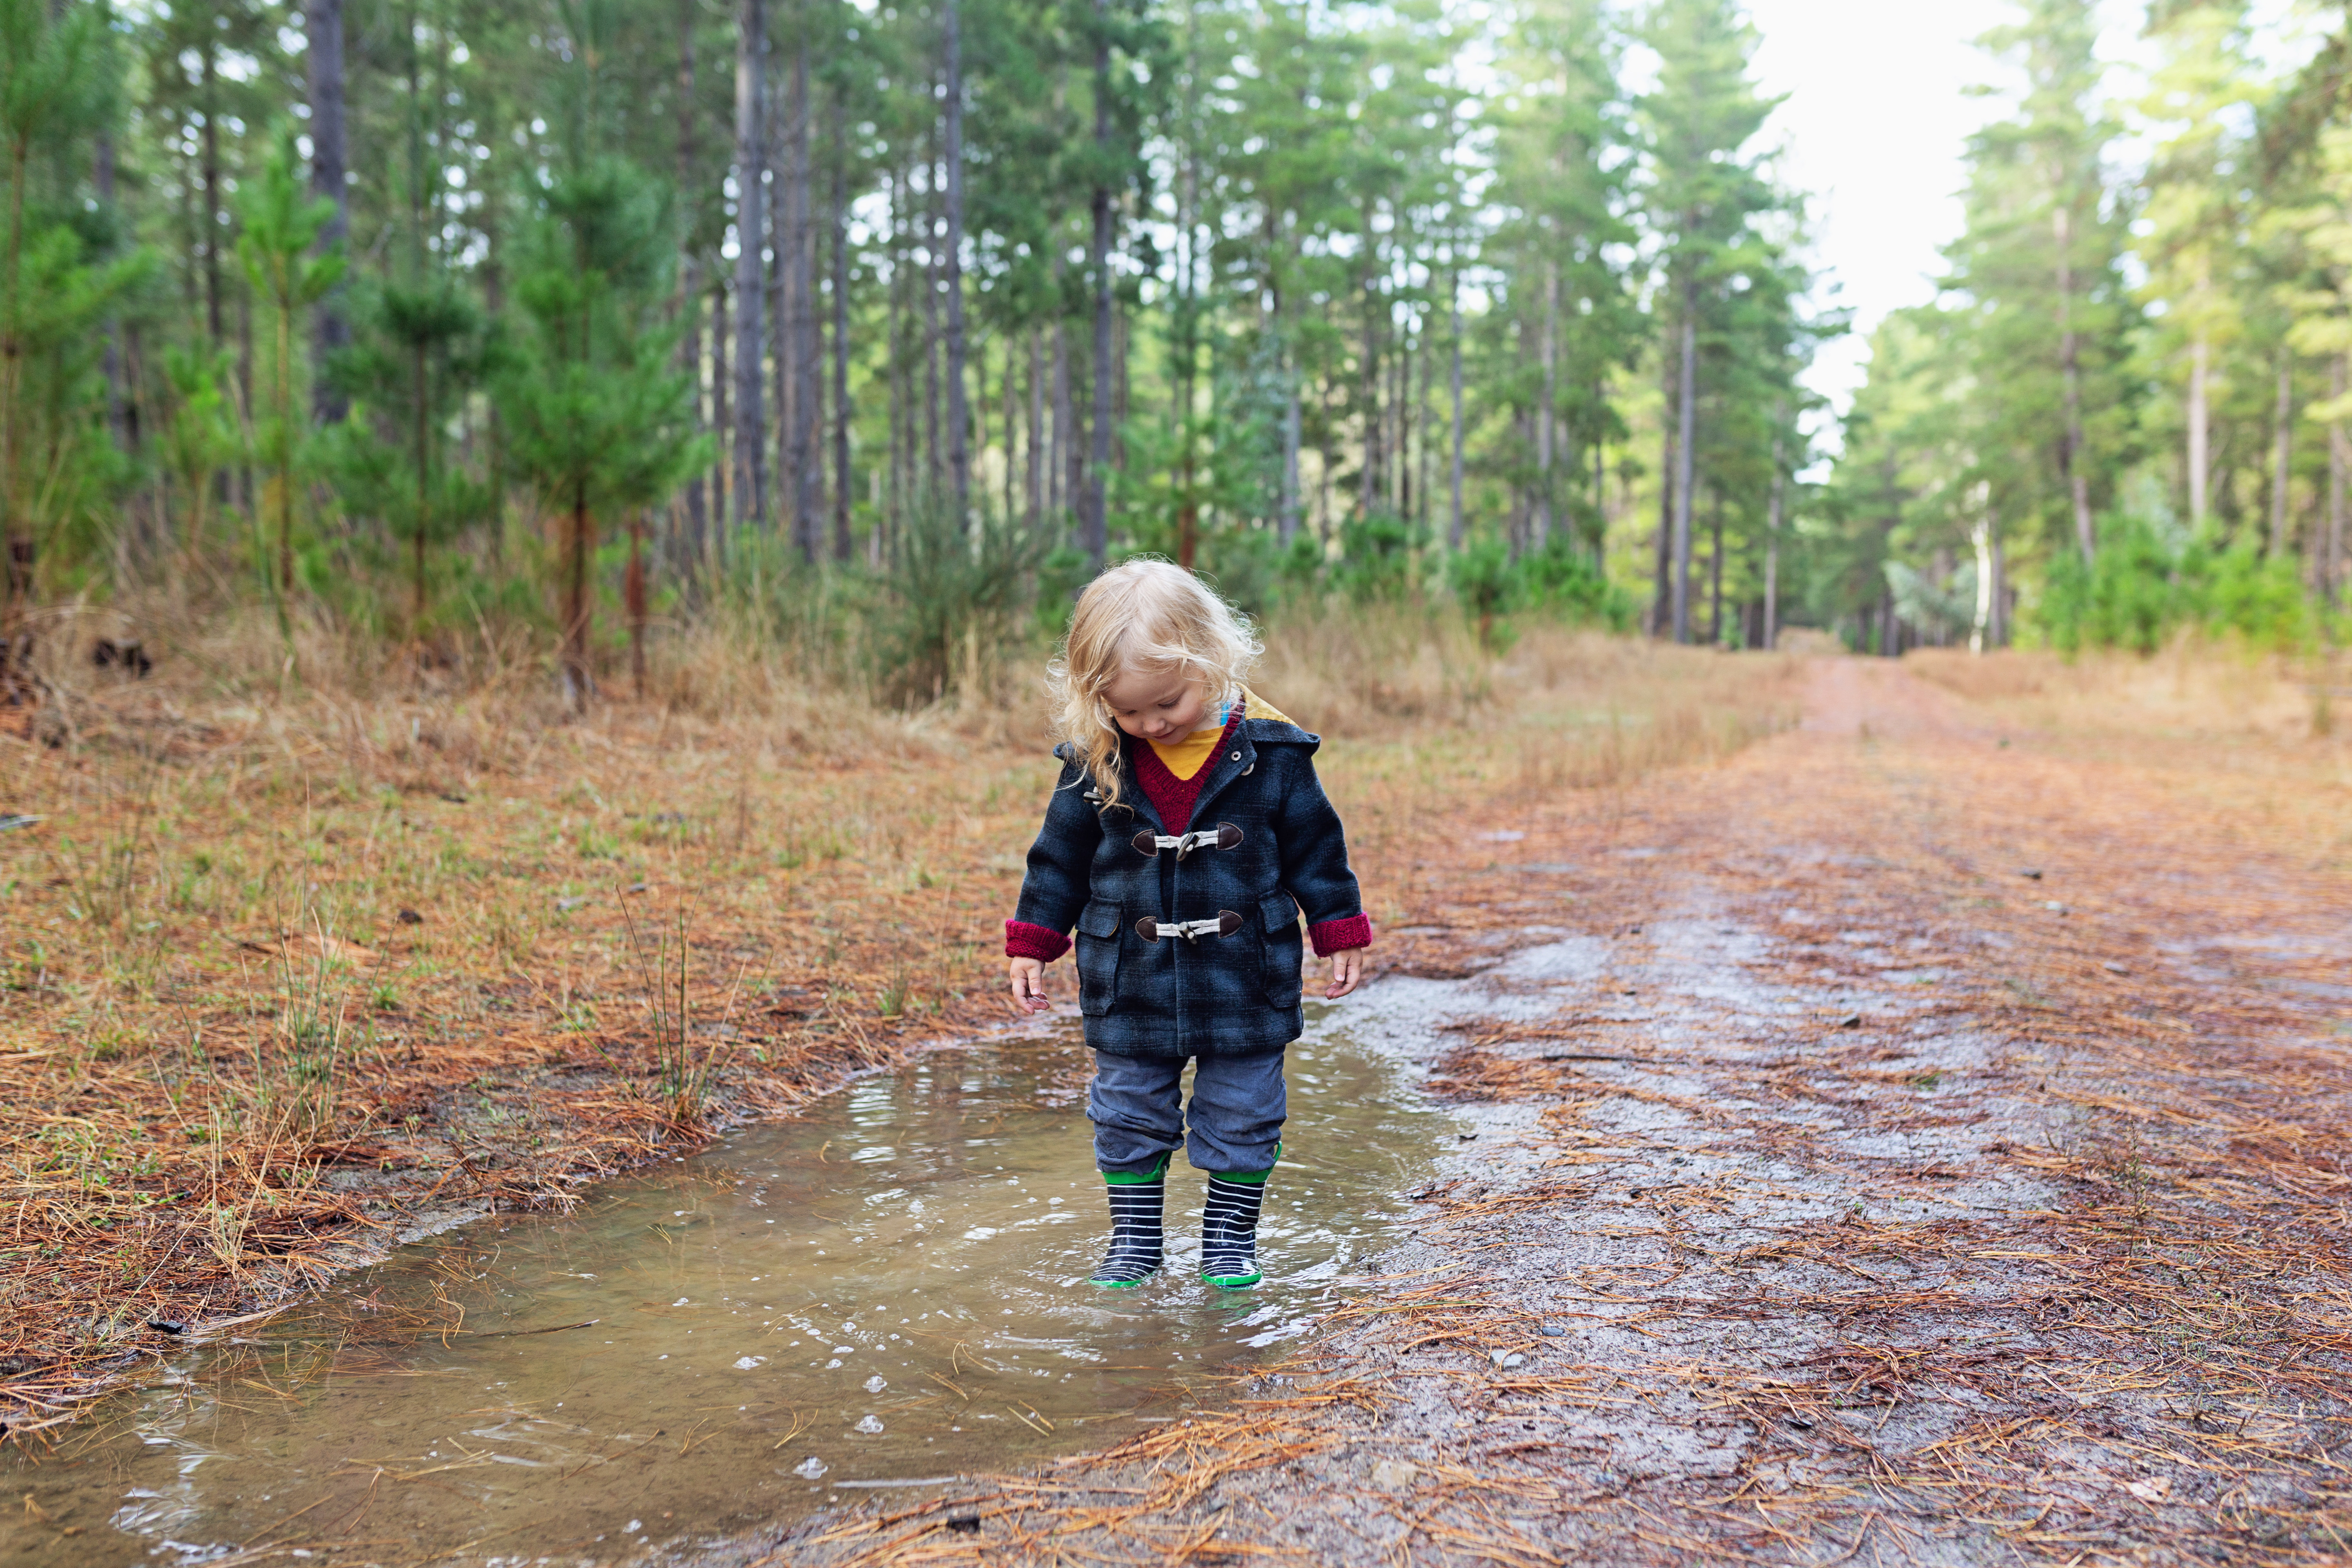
1186, 834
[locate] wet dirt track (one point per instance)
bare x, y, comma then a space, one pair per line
1906, 1142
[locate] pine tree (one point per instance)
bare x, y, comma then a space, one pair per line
281, 230
2322, 308
2039, 265
57, 87
595, 407
421, 349
1564, 181
1706, 190
2196, 218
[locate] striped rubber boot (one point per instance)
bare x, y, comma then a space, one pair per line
1229, 1228
1137, 1203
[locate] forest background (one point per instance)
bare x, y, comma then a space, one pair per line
865, 333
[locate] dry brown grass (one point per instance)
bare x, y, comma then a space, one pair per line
290, 957
2191, 689
2259, 745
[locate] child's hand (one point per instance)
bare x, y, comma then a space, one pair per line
1346, 972
1028, 977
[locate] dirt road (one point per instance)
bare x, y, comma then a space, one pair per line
1910, 1142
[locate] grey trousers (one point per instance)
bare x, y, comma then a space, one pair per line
1237, 1114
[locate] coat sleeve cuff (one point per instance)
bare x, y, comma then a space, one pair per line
1023, 939
1339, 936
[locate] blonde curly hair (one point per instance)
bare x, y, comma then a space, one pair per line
1152, 616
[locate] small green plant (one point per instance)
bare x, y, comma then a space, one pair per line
686, 1078
513, 934
112, 1043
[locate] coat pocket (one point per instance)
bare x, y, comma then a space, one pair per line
1097, 956
1284, 950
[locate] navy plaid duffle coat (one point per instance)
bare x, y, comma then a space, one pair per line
1212, 995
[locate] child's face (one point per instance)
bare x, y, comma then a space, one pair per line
1158, 706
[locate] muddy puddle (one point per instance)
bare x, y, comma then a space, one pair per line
892, 1288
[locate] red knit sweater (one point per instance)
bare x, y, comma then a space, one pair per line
1173, 797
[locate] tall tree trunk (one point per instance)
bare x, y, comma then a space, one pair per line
1185, 344
1398, 443
632, 600
1411, 352
807, 358
1599, 480
784, 341
1548, 354
409, 26
1374, 488
122, 417
2000, 623
1286, 498
1291, 501
1453, 529
1772, 519
1097, 539
245, 494
841, 409
1011, 427
420, 369
2282, 449
577, 682
685, 553
976, 399
902, 438
1981, 536
1685, 450
1661, 576
2201, 357
749, 481
282, 405
934, 334
2331, 557
1412, 440
322, 59
494, 301
210, 154
1715, 572
1037, 464
1516, 530
958, 448
1062, 466
722, 427
1120, 321
2070, 357
1326, 466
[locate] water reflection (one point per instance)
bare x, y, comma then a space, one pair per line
891, 1286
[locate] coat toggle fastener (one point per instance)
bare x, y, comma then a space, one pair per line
1224, 836
1225, 924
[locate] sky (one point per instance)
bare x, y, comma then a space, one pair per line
1876, 119
1874, 122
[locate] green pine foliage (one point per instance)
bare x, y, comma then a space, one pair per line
282, 226
2123, 419
595, 407
1287, 292
421, 350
